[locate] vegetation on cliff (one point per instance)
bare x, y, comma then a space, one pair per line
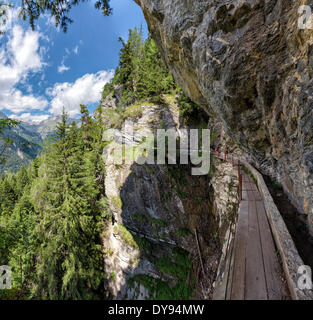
52, 214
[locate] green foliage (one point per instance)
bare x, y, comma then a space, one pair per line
59, 9
113, 276
139, 217
125, 235
107, 89
181, 266
183, 232
252, 176
117, 202
52, 217
5, 142
141, 73
132, 112
188, 110
158, 223
179, 269
144, 244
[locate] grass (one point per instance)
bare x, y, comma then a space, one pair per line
126, 235
158, 223
181, 266
109, 252
179, 269
113, 276
117, 202
251, 176
140, 218
198, 199
113, 117
143, 244
181, 194
183, 232
12, 294
132, 112
176, 173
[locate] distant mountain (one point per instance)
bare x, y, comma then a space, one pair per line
28, 139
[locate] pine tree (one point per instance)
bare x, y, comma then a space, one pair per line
70, 221
59, 9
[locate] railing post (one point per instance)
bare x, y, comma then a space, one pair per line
240, 181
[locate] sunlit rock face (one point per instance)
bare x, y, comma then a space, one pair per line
158, 209
248, 64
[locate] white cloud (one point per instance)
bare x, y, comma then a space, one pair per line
63, 68
18, 58
28, 117
75, 50
84, 90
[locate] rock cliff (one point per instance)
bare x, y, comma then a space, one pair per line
248, 65
150, 247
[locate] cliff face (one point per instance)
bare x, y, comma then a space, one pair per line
247, 64
150, 248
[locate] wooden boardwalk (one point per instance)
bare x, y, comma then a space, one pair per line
254, 269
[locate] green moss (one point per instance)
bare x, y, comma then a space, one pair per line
166, 196
140, 218
113, 276
112, 117
198, 199
183, 232
181, 266
117, 202
149, 169
12, 294
181, 193
177, 174
109, 252
158, 223
125, 235
132, 112
251, 175
143, 244
160, 290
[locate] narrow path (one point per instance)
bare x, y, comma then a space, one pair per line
255, 272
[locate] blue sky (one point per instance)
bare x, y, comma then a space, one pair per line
44, 70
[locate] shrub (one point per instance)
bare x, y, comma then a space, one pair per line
126, 235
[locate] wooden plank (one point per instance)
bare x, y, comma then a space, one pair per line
251, 196
241, 238
257, 196
254, 186
245, 177
255, 288
244, 195
246, 186
223, 283
271, 264
230, 275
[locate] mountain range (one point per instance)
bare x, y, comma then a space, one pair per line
28, 141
